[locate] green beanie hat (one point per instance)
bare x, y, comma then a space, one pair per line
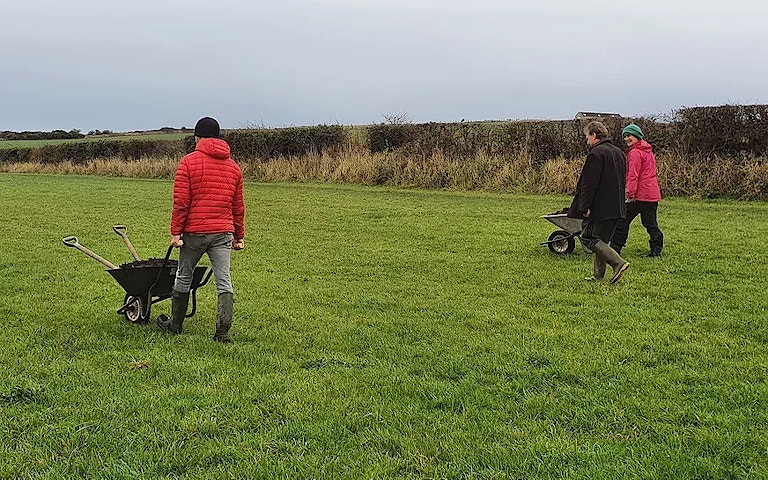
633, 130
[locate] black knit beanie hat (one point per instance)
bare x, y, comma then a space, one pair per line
207, 127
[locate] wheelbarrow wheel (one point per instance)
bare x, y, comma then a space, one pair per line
136, 309
561, 242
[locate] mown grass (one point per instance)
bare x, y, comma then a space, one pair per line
383, 333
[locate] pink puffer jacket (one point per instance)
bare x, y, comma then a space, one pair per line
208, 192
642, 184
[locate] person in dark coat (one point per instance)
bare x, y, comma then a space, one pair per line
599, 200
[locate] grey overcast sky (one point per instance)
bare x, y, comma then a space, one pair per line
146, 64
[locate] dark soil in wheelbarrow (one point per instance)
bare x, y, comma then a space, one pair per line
150, 262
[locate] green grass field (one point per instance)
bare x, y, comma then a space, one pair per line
39, 143
383, 333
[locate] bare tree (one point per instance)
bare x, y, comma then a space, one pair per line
396, 117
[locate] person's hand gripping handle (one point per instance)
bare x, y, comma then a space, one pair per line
176, 241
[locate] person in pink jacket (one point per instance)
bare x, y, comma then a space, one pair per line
642, 191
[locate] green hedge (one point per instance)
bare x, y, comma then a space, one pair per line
283, 142
728, 130
15, 155
82, 152
700, 132
542, 140
245, 145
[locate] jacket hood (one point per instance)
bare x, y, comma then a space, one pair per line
643, 146
213, 147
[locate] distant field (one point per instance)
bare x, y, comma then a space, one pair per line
136, 136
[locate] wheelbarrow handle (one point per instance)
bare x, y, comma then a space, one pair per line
72, 241
122, 230
160, 271
167, 255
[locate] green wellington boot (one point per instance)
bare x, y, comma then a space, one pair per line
224, 317
179, 304
598, 270
618, 264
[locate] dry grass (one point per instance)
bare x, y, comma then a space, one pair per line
713, 177
436, 171
560, 175
117, 167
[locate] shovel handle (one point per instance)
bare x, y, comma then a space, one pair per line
122, 230
71, 241
74, 243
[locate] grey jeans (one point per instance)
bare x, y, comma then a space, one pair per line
218, 246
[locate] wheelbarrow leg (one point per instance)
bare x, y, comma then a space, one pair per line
194, 293
194, 304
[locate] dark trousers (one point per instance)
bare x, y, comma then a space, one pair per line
594, 231
647, 212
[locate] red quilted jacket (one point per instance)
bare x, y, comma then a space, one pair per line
208, 192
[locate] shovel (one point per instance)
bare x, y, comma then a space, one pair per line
122, 230
72, 242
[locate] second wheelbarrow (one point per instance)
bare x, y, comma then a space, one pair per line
563, 241
146, 282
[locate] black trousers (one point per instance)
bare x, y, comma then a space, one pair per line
594, 231
647, 212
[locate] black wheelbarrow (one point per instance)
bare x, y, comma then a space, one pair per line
145, 282
563, 241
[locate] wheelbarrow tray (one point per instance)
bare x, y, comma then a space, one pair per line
562, 220
137, 280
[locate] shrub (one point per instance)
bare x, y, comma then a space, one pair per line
15, 155
82, 152
728, 130
540, 140
260, 144
52, 135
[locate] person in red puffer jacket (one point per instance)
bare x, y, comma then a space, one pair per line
207, 218
643, 194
